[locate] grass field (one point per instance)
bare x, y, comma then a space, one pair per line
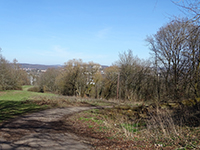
13, 102
20, 95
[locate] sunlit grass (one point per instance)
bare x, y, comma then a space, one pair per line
26, 87
13, 102
16, 95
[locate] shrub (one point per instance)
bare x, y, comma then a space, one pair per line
34, 89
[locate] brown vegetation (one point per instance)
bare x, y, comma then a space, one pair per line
11, 76
126, 128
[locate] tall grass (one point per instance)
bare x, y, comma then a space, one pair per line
166, 127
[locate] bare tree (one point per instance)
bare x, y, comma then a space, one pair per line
174, 48
191, 8
133, 76
110, 82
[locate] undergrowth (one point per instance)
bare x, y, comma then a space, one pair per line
162, 129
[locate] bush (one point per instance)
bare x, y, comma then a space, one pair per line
18, 88
34, 89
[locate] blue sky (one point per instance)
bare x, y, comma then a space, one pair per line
55, 31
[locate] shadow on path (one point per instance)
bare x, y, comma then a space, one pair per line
41, 130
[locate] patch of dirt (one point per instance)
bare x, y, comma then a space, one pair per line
41, 130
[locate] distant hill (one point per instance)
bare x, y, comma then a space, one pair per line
104, 66
38, 66
44, 67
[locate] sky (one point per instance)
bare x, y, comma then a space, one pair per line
53, 32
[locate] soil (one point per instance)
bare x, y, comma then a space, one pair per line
42, 130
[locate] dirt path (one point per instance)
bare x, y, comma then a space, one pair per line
41, 130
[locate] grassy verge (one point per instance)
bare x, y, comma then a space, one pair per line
116, 129
108, 130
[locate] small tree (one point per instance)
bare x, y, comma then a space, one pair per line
78, 78
133, 75
47, 80
10, 77
110, 82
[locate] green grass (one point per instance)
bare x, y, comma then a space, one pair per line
12, 102
26, 87
10, 109
16, 95
130, 127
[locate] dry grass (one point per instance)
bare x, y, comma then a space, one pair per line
109, 130
174, 127
67, 101
113, 129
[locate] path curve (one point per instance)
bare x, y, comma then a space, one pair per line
41, 130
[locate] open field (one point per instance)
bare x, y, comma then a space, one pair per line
13, 103
16, 95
